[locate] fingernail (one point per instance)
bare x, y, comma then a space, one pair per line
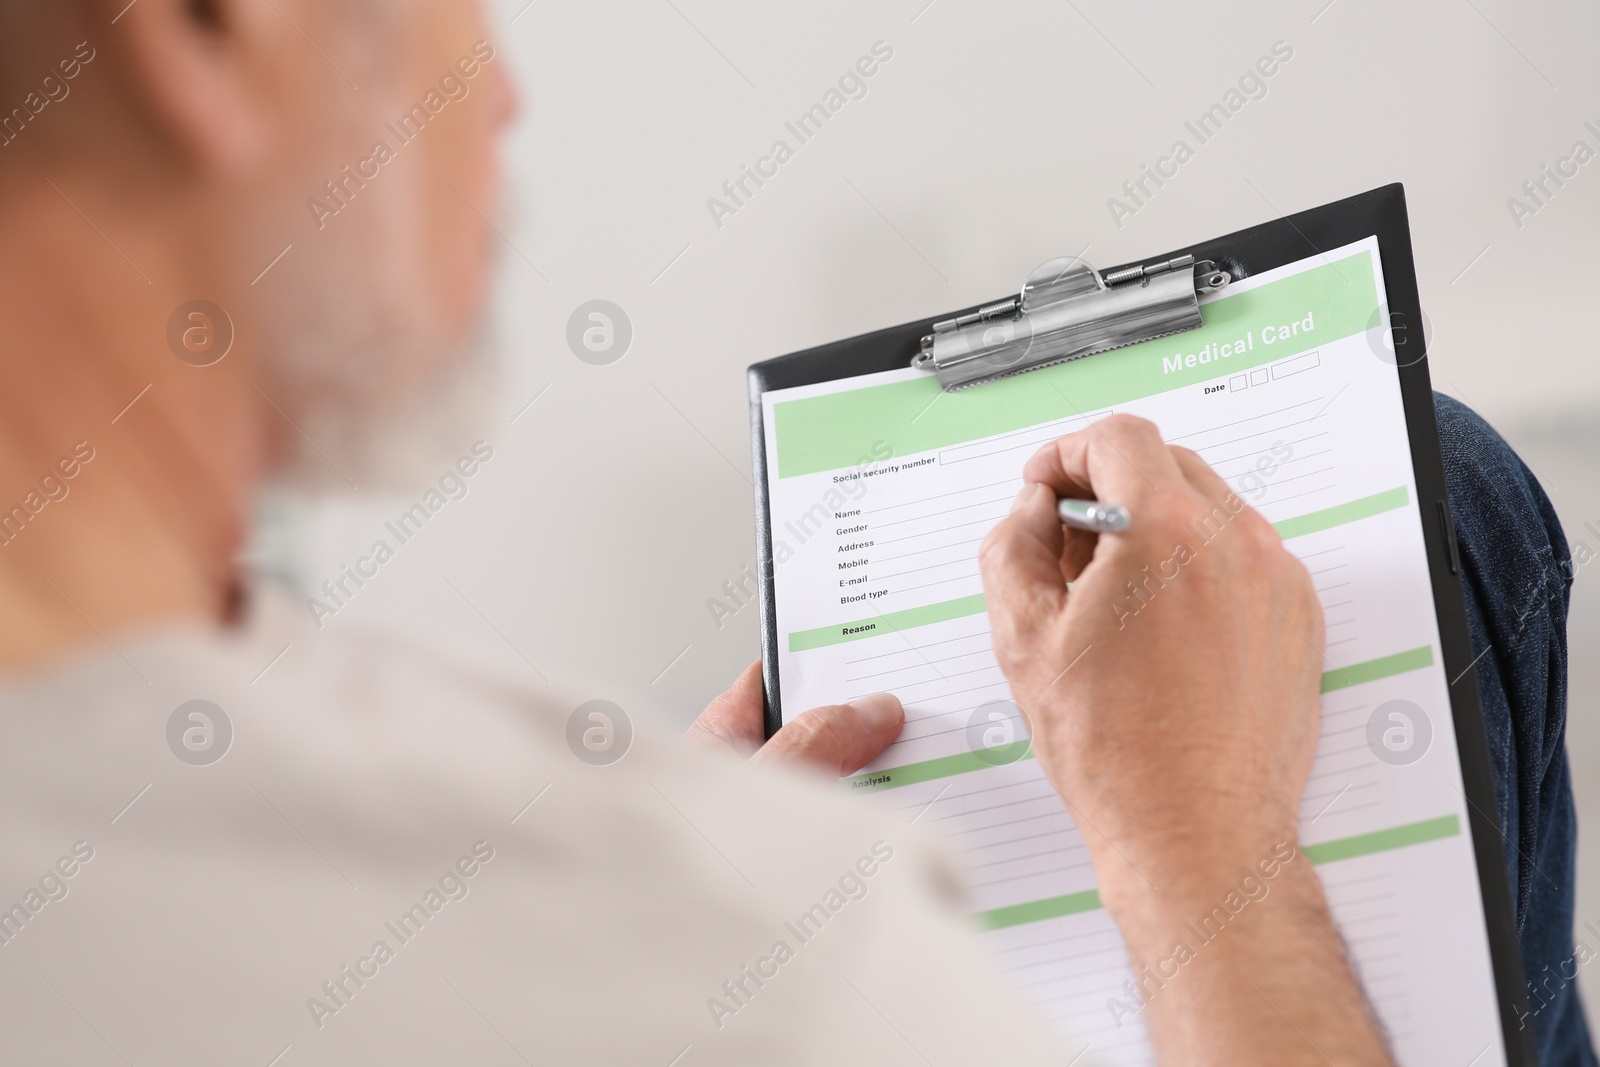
879, 711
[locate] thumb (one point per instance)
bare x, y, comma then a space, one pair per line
733, 720
838, 738
1021, 558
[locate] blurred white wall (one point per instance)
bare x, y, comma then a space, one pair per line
620, 502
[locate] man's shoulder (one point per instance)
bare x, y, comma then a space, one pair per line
361, 706
280, 818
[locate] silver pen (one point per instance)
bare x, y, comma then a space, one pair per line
1093, 515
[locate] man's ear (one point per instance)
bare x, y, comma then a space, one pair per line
202, 74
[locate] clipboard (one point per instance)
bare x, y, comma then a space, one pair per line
976, 345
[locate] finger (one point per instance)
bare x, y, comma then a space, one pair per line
735, 719
1226, 505
1120, 458
1022, 560
1077, 550
838, 738
1201, 476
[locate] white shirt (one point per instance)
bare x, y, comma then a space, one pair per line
361, 879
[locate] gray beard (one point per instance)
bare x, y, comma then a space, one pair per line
399, 445
377, 397
364, 459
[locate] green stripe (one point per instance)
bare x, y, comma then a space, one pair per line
1339, 514
943, 767
1383, 840
1343, 848
1383, 667
828, 432
1038, 910
946, 610
962, 762
889, 623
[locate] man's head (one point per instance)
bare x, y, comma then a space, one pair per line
205, 138
322, 171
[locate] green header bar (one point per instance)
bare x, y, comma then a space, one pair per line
892, 622
1339, 514
829, 432
1344, 848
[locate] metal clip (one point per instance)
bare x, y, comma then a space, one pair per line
1068, 310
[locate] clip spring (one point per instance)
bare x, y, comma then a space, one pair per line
1068, 310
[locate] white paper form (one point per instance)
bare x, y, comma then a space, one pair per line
881, 488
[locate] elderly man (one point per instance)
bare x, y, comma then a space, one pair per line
400, 860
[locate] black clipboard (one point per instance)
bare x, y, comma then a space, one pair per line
1381, 213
